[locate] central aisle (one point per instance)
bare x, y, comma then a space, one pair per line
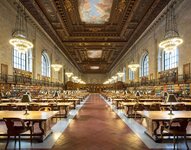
98, 128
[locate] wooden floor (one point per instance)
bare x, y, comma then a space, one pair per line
97, 127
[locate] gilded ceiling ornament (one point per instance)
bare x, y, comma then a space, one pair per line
68, 5
122, 5
94, 29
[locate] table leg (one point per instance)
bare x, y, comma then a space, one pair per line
66, 111
155, 131
74, 104
42, 131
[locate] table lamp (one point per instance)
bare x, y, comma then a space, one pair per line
171, 98
26, 98
137, 95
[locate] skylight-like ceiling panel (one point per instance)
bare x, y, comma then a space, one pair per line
94, 53
95, 11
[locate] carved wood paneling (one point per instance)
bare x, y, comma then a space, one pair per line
61, 20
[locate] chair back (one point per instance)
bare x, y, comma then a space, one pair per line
155, 107
182, 123
45, 109
11, 107
10, 124
53, 106
34, 107
180, 107
138, 107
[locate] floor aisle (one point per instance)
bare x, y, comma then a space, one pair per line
98, 128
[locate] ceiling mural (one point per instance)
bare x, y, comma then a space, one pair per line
94, 53
95, 11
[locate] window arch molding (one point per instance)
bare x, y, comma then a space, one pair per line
45, 64
144, 63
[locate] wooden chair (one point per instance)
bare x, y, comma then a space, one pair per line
138, 107
34, 107
176, 127
45, 109
53, 106
155, 107
12, 107
15, 127
180, 107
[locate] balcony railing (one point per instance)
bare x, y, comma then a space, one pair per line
17, 79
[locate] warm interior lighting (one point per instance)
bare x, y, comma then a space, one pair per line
114, 77
171, 39
170, 44
21, 44
133, 67
82, 82
74, 77
56, 67
110, 80
20, 33
120, 74
106, 82
94, 67
69, 74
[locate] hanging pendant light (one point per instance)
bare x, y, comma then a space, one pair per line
171, 39
56, 67
133, 66
20, 34
114, 78
120, 74
69, 74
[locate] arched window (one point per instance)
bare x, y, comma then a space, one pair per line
45, 64
22, 61
131, 75
167, 60
124, 76
145, 65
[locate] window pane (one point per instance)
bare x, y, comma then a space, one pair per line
45, 65
145, 66
170, 60
20, 60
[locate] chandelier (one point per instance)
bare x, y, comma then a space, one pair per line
133, 67
20, 33
120, 74
114, 78
69, 74
74, 78
110, 80
56, 67
171, 39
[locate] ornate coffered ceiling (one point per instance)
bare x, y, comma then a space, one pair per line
108, 27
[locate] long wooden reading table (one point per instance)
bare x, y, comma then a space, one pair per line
20, 105
42, 118
155, 118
